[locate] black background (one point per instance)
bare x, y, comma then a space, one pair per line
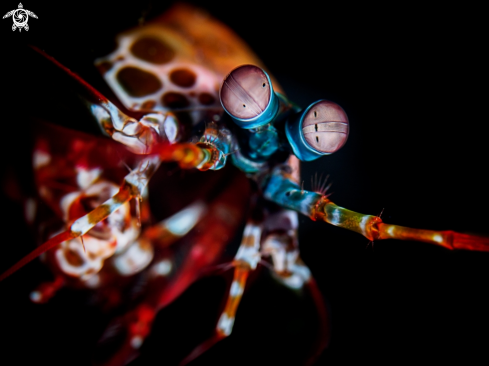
411, 81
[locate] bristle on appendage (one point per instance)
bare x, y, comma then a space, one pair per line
319, 186
381, 212
371, 243
83, 244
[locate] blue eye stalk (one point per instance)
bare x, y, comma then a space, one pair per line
267, 120
247, 96
321, 129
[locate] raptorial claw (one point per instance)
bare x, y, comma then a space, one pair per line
133, 186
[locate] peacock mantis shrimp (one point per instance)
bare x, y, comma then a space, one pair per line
385, 185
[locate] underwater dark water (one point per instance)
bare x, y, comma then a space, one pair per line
409, 80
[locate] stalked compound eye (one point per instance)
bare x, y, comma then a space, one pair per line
320, 130
325, 127
247, 96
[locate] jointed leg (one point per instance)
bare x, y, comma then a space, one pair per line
281, 244
133, 186
246, 259
176, 267
287, 193
186, 155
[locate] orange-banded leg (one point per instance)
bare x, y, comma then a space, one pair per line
373, 228
175, 268
186, 155
133, 186
281, 189
281, 244
79, 262
246, 260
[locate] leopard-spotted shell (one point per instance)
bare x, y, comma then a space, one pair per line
175, 62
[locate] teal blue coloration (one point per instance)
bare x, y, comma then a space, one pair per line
267, 116
221, 139
288, 194
300, 147
247, 165
263, 142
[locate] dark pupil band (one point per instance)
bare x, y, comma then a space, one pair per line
326, 127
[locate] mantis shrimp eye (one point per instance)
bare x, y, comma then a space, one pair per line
325, 127
320, 130
247, 96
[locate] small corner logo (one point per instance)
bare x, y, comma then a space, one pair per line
20, 17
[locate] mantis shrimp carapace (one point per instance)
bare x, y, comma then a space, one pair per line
177, 102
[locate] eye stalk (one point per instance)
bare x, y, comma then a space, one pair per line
320, 130
247, 96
